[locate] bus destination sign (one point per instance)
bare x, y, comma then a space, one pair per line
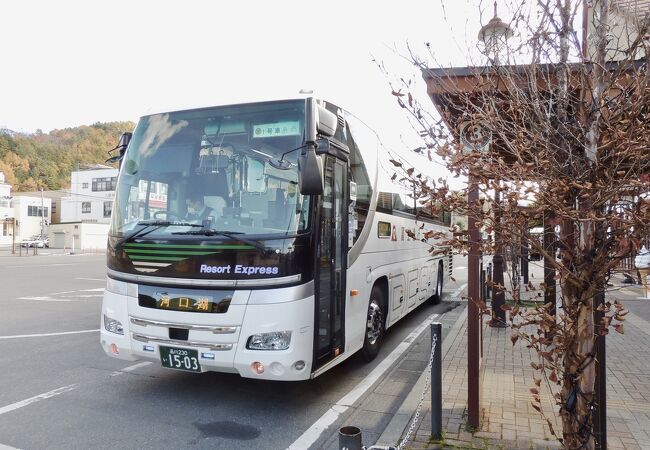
197, 301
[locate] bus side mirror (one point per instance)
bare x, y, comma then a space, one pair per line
310, 171
122, 144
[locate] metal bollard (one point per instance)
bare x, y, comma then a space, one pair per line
436, 382
350, 438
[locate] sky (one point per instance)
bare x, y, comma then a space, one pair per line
68, 63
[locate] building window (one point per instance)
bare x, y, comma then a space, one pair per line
36, 211
108, 207
84, 185
85, 207
104, 184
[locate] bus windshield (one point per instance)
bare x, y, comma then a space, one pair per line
211, 167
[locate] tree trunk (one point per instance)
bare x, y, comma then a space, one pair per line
579, 360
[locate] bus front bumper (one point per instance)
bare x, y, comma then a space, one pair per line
220, 340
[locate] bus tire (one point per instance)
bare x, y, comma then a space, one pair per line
437, 295
375, 325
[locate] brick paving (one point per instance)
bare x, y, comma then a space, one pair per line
508, 419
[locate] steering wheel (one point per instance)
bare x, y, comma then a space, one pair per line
168, 215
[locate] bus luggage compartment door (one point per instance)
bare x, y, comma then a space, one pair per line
397, 297
425, 282
413, 288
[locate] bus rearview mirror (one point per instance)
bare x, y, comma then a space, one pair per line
310, 170
123, 143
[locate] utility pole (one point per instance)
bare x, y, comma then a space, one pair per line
13, 235
42, 215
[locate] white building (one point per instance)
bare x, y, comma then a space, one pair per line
91, 195
79, 236
6, 212
32, 214
22, 216
55, 198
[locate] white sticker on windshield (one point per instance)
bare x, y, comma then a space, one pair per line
277, 129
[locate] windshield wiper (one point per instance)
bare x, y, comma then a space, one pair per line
234, 235
149, 226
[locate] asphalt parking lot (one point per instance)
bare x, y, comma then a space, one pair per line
61, 391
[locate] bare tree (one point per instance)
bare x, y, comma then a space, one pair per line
567, 117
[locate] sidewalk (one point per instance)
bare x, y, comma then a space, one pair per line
508, 419
22, 252
379, 410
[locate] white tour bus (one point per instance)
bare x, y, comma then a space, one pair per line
253, 239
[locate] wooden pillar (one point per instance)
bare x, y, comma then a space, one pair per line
498, 295
550, 295
473, 312
600, 386
524, 262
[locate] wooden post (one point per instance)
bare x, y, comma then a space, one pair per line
498, 295
473, 313
599, 417
550, 295
600, 388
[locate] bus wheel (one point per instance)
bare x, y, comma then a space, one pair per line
374, 325
437, 295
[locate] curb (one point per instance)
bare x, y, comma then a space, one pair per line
400, 421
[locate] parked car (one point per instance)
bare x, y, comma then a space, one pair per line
36, 241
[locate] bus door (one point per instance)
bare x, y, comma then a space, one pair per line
331, 263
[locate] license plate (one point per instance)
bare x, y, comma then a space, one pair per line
180, 358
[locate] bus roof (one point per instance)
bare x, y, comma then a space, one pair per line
177, 108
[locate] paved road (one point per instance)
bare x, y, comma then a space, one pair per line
88, 400
633, 299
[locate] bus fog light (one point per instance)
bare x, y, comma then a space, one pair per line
112, 325
277, 368
299, 365
277, 340
257, 367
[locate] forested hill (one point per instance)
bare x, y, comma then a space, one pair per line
39, 160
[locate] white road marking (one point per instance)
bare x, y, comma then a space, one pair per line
70, 297
130, 368
47, 265
36, 398
91, 279
67, 292
6, 447
312, 434
48, 299
64, 292
18, 336
457, 292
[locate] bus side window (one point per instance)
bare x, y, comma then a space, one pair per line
362, 168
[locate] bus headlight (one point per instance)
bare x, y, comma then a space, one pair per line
121, 288
115, 286
277, 340
112, 325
